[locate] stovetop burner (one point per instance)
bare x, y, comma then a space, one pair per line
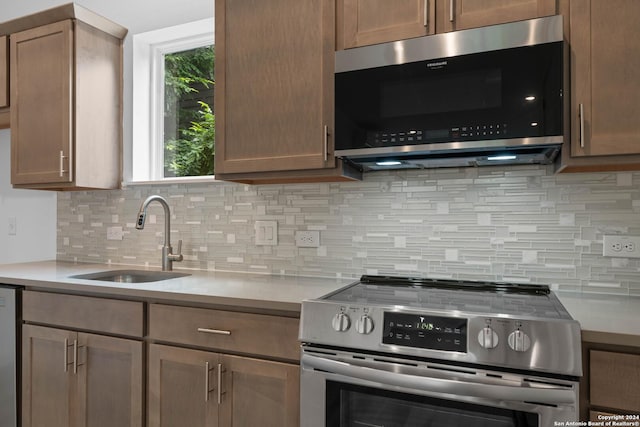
533, 301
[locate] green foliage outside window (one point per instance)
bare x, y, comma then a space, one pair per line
189, 120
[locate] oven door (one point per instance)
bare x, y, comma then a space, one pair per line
354, 390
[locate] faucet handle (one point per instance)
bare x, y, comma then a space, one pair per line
176, 257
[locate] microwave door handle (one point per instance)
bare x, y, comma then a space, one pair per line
547, 395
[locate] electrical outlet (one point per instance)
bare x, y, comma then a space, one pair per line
308, 239
621, 246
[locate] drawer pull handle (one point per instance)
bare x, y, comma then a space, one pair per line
214, 331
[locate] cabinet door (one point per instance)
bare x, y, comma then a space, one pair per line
606, 60
259, 393
461, 14
41, 76
110, 381
365, 22
274, 85
4, 84
182, 387
48, 382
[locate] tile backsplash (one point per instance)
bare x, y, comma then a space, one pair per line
519, 224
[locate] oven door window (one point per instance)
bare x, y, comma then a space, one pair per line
356, 406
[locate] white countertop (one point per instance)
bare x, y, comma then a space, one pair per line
609, 319
603, 318
258, 291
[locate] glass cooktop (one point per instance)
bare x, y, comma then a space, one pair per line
465, 296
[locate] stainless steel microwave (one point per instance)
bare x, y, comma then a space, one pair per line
467, 98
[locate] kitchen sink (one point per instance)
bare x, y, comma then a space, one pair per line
130, 276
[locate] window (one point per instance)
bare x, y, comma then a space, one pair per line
173, 117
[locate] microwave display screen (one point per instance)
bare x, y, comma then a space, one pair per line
463, 91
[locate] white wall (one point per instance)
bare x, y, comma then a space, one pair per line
34, 211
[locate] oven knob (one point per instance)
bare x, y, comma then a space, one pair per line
519, 341
341, 322
364, 324
487, 338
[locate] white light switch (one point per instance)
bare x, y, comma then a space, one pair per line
266, 233
12, 226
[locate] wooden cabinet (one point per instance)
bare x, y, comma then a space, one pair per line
72, 378
614, 380
605, 101
4, 73
611, 381
4, 83
66, 96
365, 22
210, 388
274, 92
452, 15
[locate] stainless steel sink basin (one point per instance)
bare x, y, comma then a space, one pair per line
130, 276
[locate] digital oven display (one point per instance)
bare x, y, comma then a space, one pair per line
428, 332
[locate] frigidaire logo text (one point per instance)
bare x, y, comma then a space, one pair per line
438, 64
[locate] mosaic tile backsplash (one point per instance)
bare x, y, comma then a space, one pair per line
519, 224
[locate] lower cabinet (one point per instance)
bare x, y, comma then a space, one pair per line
611, 382
76, 379
80, 379
201, 388
212, 367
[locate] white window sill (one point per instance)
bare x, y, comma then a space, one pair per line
177, 180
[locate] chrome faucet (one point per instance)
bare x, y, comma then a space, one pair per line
168, 257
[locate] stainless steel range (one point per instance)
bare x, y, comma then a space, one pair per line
390, 351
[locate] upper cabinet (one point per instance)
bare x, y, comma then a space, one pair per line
4, 83
274, 91
605, 101
365, 22
66, 100
452, 15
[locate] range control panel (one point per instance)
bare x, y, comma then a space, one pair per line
427, 332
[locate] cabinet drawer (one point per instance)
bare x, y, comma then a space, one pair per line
615, 380
246, 333
86, 313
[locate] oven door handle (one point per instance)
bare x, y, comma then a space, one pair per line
547, 394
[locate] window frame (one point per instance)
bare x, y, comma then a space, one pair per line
149, 49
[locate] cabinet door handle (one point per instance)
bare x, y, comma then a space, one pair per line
326, 142
62, 157
207, 369
214, 331
220, 393
451, 7
581, 114
426, 13
66, 355
75, 356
